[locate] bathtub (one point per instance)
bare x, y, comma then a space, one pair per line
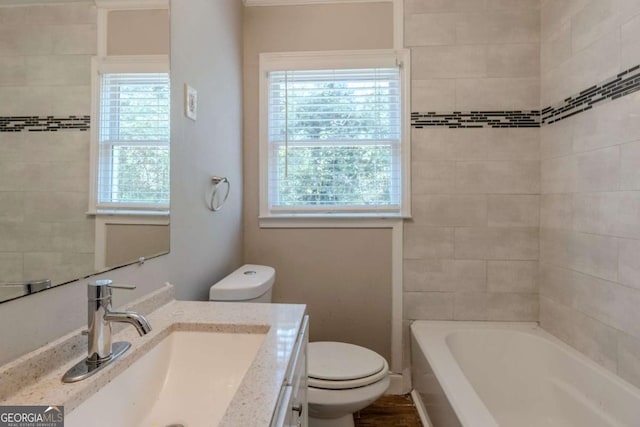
486, 374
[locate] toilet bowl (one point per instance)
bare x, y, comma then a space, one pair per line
342, 378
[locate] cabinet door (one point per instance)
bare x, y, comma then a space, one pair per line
284, 415
292, 407
299, 403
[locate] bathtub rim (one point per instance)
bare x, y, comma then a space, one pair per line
468, 406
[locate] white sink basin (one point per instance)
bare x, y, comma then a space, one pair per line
188, 379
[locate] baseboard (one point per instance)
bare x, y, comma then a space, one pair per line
396, 385
422, 411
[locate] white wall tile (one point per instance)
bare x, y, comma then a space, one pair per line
421, 242
430, 6
556, 139
630, 172
450, 210
589, 336
11, 266
497, 177
514, 210
505, 243
556, 211
556, 48
596, 212
558, 175
433, 95
72, 70
512, 276
598, 170
11, 206
445, 275
455, 61
513, 144
513, 60
629, 358
628, 215
596, 62
513, 4
630, 43
13, 70
470, 306
629, 262
437, 177
430, 29
504, 306
428, 305
592, 22
508, 93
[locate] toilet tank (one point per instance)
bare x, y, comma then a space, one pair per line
249, 283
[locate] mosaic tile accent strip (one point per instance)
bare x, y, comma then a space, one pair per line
625, 83
477, 119
616, 87
44, 123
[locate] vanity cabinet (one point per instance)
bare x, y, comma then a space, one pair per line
292, 407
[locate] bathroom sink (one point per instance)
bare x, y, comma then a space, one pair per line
188, 378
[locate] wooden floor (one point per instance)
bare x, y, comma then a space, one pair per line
389, 411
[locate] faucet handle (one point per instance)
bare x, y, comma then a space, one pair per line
102, 289
127, 287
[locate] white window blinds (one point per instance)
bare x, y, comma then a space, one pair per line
133, 140
334, 140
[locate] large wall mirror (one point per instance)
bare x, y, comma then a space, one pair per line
84, 139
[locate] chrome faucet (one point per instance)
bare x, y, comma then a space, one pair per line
100, 351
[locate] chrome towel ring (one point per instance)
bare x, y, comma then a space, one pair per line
217, 182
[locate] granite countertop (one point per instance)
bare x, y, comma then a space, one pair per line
35, 379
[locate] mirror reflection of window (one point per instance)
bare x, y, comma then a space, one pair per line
133, 139
49, 87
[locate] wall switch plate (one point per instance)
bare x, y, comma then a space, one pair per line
190, 102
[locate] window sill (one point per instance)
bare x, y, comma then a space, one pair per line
131, 213
331, 221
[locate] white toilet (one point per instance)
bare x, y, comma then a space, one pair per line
343, 378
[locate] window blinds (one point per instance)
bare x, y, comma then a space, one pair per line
133, 140
334, 140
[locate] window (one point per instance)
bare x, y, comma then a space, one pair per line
132, 138
333, 134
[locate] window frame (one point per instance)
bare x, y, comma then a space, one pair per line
281, 61
115, 65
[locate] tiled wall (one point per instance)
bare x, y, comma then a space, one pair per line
590, 202
471, 249
45, 56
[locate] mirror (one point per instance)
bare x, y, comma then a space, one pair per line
56, 223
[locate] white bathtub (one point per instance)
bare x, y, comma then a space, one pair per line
486, 374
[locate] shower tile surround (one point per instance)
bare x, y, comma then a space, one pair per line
590, 185
44, 124
560, 244
44, 141
471, 248
625, 83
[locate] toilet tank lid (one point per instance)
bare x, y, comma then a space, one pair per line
247, 282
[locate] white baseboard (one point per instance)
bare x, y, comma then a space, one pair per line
422, 411
397, 385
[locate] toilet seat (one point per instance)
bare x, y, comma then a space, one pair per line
340, 366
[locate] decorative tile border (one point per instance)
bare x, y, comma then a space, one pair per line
613, 88
44, 123
477, 119
622, 84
